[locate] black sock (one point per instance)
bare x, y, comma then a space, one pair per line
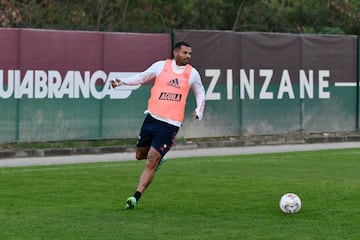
137, 195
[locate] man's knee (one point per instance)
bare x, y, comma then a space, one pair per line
153, 159
141, 153
151, 165
139, 156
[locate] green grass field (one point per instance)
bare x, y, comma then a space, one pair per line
231, 197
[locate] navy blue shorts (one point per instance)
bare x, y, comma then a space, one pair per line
158, 134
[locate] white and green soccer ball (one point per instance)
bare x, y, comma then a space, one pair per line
290, 203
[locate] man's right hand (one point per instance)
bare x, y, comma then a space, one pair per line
115, 83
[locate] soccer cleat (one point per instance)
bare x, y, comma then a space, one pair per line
162, 161
130, 203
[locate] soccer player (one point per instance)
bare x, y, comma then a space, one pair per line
165, 112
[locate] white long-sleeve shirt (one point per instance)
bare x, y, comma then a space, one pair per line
155, 69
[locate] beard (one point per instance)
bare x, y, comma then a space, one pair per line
183, 61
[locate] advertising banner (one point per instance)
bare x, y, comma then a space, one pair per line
276, 83
54, 85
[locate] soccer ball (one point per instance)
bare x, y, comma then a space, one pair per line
290, 203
